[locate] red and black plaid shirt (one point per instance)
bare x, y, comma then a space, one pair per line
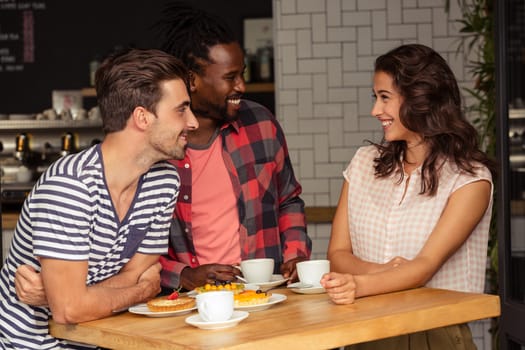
271, 213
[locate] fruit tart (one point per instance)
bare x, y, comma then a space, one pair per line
236, 288
171, 302
251, 297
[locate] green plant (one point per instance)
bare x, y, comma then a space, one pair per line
478, 29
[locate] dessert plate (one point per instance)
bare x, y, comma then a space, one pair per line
274, 282
274, 299
142, 309
197, 321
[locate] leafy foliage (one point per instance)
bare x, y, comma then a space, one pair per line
478, 29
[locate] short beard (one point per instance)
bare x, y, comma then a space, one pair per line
212, 111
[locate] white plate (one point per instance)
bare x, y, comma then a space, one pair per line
274, 299
197, 321
142, 309
274, 282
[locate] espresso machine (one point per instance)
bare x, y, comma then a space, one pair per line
25, 155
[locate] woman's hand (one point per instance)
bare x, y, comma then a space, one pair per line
339, 287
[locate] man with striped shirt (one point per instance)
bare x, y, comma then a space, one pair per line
97, 221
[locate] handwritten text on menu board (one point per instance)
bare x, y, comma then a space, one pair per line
17, 33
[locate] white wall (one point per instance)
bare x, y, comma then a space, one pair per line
324, 55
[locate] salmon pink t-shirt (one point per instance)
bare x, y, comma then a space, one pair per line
215, 218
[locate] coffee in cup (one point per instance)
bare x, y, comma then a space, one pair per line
311, 271
215, 306
257, 270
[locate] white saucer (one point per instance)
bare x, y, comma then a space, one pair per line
142, 309
274, 299
310, 290
197, 321
301, 288
274, 282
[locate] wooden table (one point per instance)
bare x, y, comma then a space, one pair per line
302, 321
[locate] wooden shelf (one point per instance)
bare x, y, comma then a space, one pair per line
314, 215
250, 88
319, 215
517, 207
89, 92
259, 87
33, 124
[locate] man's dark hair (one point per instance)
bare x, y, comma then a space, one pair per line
132, 78
188, 33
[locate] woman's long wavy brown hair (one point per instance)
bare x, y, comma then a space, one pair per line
431, 107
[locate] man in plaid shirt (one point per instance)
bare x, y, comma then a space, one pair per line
239, 198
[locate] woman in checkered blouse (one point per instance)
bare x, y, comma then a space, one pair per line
415, 208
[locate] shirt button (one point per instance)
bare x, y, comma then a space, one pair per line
186, 197
186, 230
186, 165
193, 260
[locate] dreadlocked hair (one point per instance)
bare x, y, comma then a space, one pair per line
188, 33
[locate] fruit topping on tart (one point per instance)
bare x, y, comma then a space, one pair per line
236, 288
168, 303
251, 297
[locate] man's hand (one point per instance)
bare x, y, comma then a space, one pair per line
29, 286
209, 273
151, 279
288, 269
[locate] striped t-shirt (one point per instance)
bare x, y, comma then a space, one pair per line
69, 215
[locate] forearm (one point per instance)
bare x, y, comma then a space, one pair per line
292, 228
122, 280
99, 301
412, 274
344, 261
72, 301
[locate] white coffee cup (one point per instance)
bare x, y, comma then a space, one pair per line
257, 270
215, 306
311, 271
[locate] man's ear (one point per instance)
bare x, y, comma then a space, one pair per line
192, 77
140, 117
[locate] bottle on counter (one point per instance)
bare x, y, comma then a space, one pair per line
264, 54
93, 66
247, 74
69, 143
22, 147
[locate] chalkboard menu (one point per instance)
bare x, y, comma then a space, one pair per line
47, 45
17, 35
